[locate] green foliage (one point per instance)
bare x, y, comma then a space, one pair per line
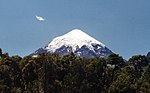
125, 82
50, 73
115, 59
0, 52
138, 61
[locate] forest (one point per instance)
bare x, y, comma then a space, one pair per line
50, 73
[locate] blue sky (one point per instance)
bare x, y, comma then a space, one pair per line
122, 25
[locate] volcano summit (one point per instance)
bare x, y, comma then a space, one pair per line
78, 42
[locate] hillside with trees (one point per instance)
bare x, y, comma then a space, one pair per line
50, 73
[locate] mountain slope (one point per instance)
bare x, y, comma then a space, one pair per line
78, 42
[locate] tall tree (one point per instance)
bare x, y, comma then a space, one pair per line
1, 53
139, 62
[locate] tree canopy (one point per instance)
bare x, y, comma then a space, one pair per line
50, 73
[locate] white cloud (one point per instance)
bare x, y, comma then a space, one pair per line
40, 18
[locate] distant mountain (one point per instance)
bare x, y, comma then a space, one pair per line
78, 42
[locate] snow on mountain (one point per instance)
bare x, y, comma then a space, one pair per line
78, 42
75, 38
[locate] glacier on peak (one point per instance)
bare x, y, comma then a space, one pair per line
75, 38
78, 42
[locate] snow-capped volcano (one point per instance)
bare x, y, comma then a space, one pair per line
78, 42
